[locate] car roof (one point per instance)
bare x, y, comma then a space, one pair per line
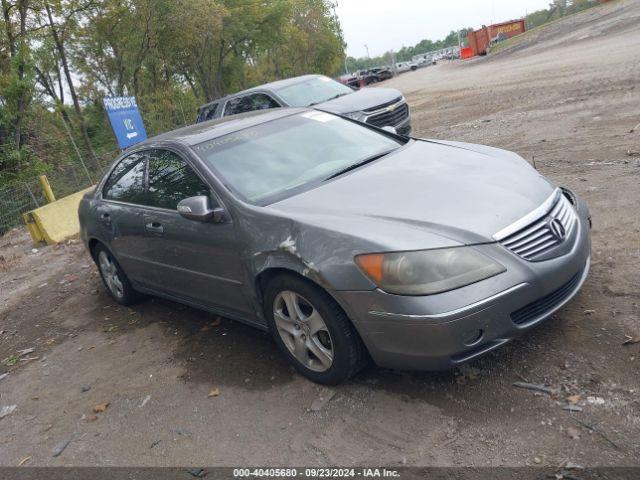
201, 132
277, 85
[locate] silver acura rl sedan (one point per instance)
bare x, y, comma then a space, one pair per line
347, 242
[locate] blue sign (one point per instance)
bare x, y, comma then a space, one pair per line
125, 120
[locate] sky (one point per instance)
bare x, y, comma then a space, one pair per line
389, 24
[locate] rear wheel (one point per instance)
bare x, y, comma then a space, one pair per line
312, 331
114, 278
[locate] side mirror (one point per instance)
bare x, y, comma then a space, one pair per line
199, 209
390, 129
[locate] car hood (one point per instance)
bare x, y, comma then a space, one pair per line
455, 192
363, 99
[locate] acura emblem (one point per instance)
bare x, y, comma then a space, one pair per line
557, 229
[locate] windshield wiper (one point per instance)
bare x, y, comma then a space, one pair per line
370, 159
327, 100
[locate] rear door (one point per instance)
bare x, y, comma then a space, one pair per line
121, 214
197, 261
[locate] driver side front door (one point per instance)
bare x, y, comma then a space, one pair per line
199, 262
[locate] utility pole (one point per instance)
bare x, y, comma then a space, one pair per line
368, 56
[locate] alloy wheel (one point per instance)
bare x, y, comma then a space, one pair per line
109, 272
303, 331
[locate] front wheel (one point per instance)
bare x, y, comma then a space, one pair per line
312, 331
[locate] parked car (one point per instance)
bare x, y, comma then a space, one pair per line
380, 107
350, 80
367, 77
425, 61
374, 75
378, 74
402, 67
345, 241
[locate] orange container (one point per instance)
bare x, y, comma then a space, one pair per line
466, 52
510, 29
480, 39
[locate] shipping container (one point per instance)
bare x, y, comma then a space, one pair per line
480, 40
466, 52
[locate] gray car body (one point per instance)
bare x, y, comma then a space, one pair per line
361, 100
426, 195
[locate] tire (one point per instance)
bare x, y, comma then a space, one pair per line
113, 277
339, 337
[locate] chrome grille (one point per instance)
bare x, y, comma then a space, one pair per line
539, 237
390, 118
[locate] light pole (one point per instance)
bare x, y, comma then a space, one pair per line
368, 56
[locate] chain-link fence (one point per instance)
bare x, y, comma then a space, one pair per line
20, 197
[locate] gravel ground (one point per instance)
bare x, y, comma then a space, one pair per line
184, 388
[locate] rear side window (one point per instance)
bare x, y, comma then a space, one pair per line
126, 182
208, 112
171, 180
249, 103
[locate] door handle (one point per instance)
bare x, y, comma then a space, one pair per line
154, 227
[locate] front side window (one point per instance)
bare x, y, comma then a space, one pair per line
250, 103
126, 182
171, 180
276, 159
313, 91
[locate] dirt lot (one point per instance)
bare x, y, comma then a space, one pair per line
568, 100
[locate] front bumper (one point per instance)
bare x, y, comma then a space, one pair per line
404, 128
441, 331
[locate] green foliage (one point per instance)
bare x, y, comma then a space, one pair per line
19, 165
172, 55
558, 9
10, 361
17, 159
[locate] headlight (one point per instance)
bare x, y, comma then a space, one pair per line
359, 116
429, 271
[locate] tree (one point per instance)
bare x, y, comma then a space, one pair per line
61, 18
59, 58
310, 42
18, 85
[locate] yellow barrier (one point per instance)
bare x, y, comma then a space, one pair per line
46, 188
56, 221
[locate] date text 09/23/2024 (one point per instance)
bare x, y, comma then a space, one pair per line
315, 473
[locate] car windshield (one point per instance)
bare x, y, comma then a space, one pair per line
312, 91
280, 158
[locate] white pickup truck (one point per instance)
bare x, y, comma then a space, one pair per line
402, 67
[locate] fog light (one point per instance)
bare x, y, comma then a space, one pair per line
474, 338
